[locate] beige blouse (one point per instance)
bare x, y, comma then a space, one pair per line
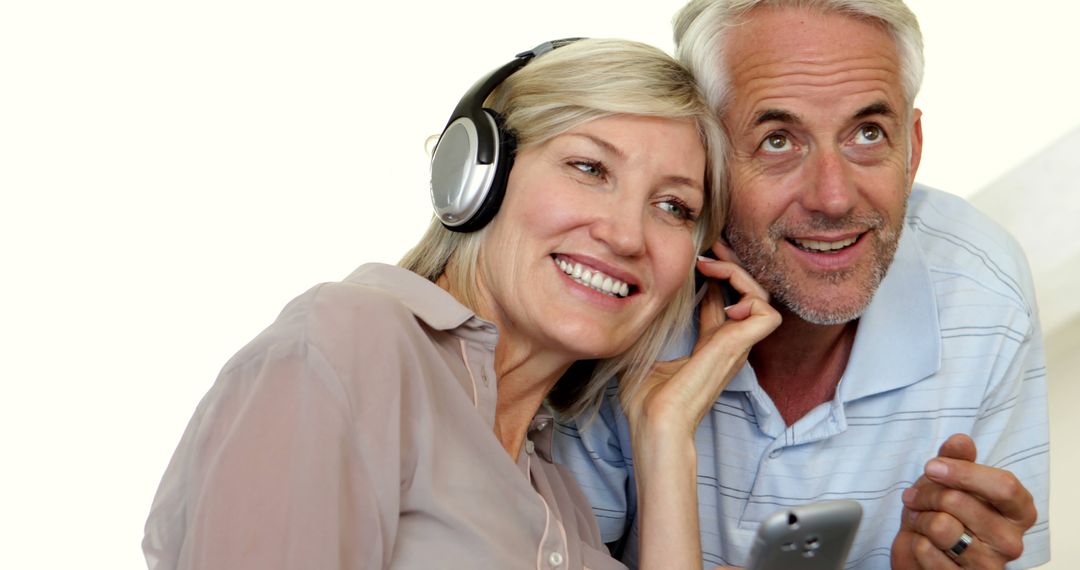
357, 432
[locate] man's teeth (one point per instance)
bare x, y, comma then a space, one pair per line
814, 245
594, 279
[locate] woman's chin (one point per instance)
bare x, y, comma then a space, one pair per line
594, 343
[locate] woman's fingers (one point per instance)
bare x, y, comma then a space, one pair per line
733, 273
712, 312
723, 251
726, 334
680, 392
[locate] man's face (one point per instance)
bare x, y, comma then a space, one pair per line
820, 170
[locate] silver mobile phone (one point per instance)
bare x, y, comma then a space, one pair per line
809, 537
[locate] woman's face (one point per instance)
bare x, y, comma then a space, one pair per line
594, 236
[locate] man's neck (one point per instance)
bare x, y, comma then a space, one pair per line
800, 364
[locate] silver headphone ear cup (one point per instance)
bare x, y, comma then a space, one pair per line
472, 160
460, 184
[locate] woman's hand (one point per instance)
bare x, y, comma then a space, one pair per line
676, 395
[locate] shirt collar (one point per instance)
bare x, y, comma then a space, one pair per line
898, 341
441, 311
432, 304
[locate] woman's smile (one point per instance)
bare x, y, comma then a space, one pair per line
593, 278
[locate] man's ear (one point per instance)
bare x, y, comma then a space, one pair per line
916, 145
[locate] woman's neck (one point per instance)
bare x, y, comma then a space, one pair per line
524, 379
525, 372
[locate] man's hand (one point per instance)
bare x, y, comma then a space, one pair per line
956, 496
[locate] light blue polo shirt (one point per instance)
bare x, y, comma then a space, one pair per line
950, 344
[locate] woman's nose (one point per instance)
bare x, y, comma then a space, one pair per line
621, 228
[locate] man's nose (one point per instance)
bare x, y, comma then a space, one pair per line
831, 188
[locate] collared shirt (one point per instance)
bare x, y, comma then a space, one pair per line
357, 432
950, 343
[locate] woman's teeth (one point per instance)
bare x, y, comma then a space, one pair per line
814, 245
594, 279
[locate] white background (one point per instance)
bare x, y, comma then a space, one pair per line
172, 173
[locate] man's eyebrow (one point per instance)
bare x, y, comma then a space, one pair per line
879, 108
777, 115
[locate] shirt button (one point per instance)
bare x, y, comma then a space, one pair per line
775, 453
530, 448
555, 559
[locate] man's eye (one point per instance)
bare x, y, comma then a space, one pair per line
869, 134
776, 142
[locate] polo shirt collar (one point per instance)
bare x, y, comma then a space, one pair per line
898, 341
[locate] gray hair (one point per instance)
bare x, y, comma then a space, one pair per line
700, 28
580, 82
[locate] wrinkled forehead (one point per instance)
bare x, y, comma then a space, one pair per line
791, 34
793, 52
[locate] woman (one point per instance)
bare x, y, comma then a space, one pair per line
395, 419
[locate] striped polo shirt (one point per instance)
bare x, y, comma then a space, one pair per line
950, 344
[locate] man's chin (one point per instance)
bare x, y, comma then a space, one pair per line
828, 298
826, 317
817, 297
824, 310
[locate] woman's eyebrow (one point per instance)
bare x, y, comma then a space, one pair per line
601, 143
684, 181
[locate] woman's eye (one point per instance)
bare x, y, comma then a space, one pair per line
677, 209
869, 134
776, 142
594, 169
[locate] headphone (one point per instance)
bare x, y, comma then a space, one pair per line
474, 153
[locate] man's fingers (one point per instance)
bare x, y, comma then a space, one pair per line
998, 487
928, 555
942, 532
991, 502
958, 446
902, 552
943, 513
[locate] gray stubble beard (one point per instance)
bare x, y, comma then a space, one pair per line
761, 260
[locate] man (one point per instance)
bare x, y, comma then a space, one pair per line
907, 315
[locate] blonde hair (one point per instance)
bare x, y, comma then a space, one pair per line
580, 82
